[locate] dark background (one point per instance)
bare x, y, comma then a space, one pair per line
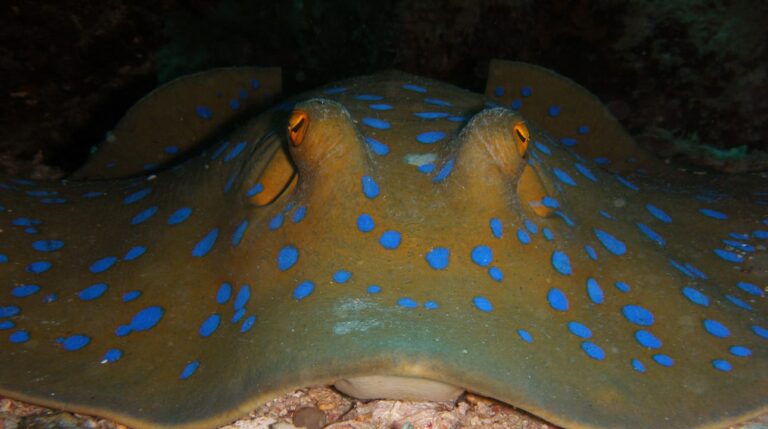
688, 78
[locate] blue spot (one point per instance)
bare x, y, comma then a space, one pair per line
9, 311
179, 216
543, 148
594, 291
437, 102
407, 303
482, 303
716, 328
93, 291
219, 150
47, 245
583, 129
663, 360
740, 351
647, 339
653, 235
760, 235
112, 355
390, 240
204, 112
365, 223
287, 257
103, 264
24, 291
713, 214
370, 187
626, 182
525, 335
147, 318
369, 97
171, 150
426, 168
276, 222
374, 289
204, 246
549, 202
563, 177
430, 137
234, 152
729, 256
738, 302
303, 290
531, 227
557, 299
189, 370
6, 324
237, 236
132, 295
590, 252
568, 141
526, 91
376, 146
744, 247
19, 337
39, 267
695, 296
638, 315
482, 255
593, 350
255, 190
722, 365
613, 244
658, 213
431, 115
342, 276
379, 124
380, 107
523, 236
445, 170
210, 325
431, 305
243, 295
516, 104
621, 286
224, 293
438, 258
336, 90
638, 366
759, 330
134, 252
579, 330
75, 342
248, 324
415, 88
496, 273
497, 228
143, 215
553, 111
561, 262
548, 234
750, 288
498, 91
137, 196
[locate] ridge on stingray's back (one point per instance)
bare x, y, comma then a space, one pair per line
394, 236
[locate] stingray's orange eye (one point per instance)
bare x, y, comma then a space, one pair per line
522, 137
297, 126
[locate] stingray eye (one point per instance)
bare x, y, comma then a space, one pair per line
521, 138
297, 126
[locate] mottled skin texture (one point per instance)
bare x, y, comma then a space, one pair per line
338, 329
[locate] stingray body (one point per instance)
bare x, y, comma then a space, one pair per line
216, 252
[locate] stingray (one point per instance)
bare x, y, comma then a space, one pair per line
394, 236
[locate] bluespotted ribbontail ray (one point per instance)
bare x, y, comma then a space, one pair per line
518, 245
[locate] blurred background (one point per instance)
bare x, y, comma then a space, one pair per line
688, 78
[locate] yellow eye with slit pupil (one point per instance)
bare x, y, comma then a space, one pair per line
522, 136
297, 126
